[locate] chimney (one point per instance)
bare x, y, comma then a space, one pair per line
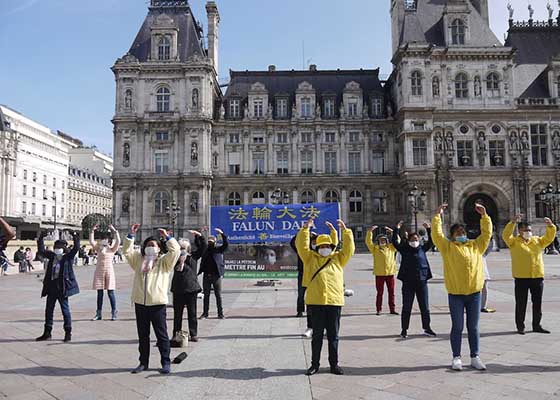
271, 68
313, 67
213, 31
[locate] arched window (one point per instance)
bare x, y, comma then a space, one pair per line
307, 197
355, 201
461, 86
458, 32
259, 198
161, 202
493, 85
163, 99
416, 81
164, 49
234, 199
331, 196
435, 86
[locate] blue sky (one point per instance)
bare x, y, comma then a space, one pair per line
56, 54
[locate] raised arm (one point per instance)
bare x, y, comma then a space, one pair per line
132, 256
41, 246
333, 233
348, 246
201, 245
436, 234
427, 246
302, 242
395, 238
507, 234
92, 242
116, 240
550, 234
369, 239
72, 253
169, 260
225, 243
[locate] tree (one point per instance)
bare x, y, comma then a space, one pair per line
91, 220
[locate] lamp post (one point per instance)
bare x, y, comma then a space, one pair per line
173, 212
278, 196
551, 198
54, 214
416, 199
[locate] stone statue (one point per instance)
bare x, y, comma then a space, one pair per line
438, 142
531, 11
126, 155
246, 111
556, 141
481, 141
511, 10
341, 110
525, 141
125, 207
550, 10
269, 110
194, 152
514, 141
435, 86
389, 109
318, 111
194, 203
128, 99
477, 86
449, 142
195, 99
222, 111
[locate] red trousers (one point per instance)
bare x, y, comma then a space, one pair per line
380, 282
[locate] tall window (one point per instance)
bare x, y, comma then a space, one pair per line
307, 137
378, 162
379, 204
35, 177
282, 162
435, 86
465, 153
497, 152
330, 162
259, 198
161, 202
24, 207
306, 162
33, 208
328, 108
353, 108
354, 137
164, 49
557, 87
234, 199
306, 107
234, 108
282, 108
234, 162
162, 136
44, 210
258, 163
539, 144
163, 99
24, 174
354, 162
330, 137
376, 107
493, 85
44, 179
458, 32
331, 196
461, 86
33, 191
420, 151
541, 208
307, 197
162, 162
416, 80
258, 106
282, 137
355, 201
234, 138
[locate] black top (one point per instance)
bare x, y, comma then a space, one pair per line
66, 284
414, 262
186, 281
213, 259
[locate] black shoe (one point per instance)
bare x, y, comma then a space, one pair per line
404, 334
378, 313
429, 332
521, 331
174, 344
194, 339
299, 315
45, 336
312, 371
138, 369
165, 370
221, 316
67, 337
203, 316
336, 370
540, 329
394, 313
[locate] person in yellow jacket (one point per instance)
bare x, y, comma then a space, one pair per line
463, 272
384, 267
527, 267
325, 289
152, 266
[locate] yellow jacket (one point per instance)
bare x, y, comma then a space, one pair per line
151, 289
328, 286
306, 275
384, 263
463, 269
526, 256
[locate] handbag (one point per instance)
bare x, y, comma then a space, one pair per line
180, 339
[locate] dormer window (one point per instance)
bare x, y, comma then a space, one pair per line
458, 29
306, 107
328, 108
234, 108
353, 108
258, 108
164, 48
493, 85
377, 107
282, 108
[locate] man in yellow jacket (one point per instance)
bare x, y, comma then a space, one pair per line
463, 272
325, 289
527, 267
384, 267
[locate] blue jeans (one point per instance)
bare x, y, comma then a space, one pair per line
458, 304
52, 298
111, 294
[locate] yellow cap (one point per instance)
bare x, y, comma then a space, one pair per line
323, 240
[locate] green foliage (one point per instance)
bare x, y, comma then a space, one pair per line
91, 220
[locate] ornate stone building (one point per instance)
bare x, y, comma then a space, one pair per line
462, 117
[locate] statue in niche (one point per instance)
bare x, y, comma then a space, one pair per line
195, 99
477, 86
525, 141
194, 152
194, 203
438, 142
318, 111
514, 141
556, 141
531, 11
128, 100
125, 207
481, 141
222, 111
126, 155
449, 142
435, 87
294, 111
246, 111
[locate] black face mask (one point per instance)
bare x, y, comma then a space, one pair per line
211, 244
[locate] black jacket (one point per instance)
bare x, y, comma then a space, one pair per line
414, 262
186, 281
66, 283
214, 256
299, 260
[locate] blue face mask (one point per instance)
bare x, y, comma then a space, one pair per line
461, 239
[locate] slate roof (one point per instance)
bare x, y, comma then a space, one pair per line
2, 123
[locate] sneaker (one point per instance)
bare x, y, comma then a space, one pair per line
203, 316
378, 313
540, 329
488, 310
429, 332
348, 292
477, 364
312, 371
308, 333
394, 313
139, 368
299, 315
97, 317
336, 370
457, 364
114, 315
165, 370
404, 335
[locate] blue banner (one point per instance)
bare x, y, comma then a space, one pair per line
266, 223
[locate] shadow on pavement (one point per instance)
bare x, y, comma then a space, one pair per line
440, 337
236, 374
58, 371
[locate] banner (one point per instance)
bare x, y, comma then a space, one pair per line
260, 261
266, 223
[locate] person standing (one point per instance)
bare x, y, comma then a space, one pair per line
213, 270
19, 257
152, 266
59, 283
104, 275
463, 273
484, 301
414, 273
384, 267
185, 286
325, 289
28, 259
527, 267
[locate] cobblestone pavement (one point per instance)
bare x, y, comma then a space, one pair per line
258, 352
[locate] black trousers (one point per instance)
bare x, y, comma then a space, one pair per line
156, 316
208, 282
418, 289
180, 300
522, 288
52, 297
301, 301
325, 317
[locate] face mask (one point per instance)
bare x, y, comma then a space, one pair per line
414, 244
461, 239
184, 253
59, 252
527, 235
325, 252
151, 251
211, 244
105, 242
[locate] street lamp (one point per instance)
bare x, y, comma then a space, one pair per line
416, 199
551, 198
173, 212
54, 214
278, 196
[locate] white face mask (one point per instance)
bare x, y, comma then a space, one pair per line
527, 235
59, 252
325, 252
151, 251
414, 244
184, 252
105, 242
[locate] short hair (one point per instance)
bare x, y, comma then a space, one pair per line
523, 225
161, 243
60, 244
186, 243
455, 227
412, 234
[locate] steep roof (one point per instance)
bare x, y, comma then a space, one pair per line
2, 121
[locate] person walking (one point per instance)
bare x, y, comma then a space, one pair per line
104, 275
59, 283
384, 267
152, 266
463, 273
527, 267
325, 289
213, 270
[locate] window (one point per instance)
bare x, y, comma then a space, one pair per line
307, 137
331, 196
497, 152
541, 208
24, 174
258, 164
377, 107
330, 162
420, 151
435, 86
354, 137
35, 177
24, 207
355, 162
306, 107
44, 179
377, 137
330, 137
539, 144
259, 198
234, 138
378, 162
282, 162
458, 32
63, 185
62, 197
461, 86
162, 136
33, 192
353, 108
258, 108
379, 204
62, 212
306, 162
282, 137
164, 49
307, 197
493, 85
234, 199
161, 162
465, 153
234, 162
416, 83
161, 202
33, 208
234, 108
163, 99
54, 182
258, 138
282, 108
44, 193
328, 108
24, 192
355, 201
215, 160
44, 210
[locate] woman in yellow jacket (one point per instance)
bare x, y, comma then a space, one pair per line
463, 272
152, 266
527, 265
384, 267
325, 289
